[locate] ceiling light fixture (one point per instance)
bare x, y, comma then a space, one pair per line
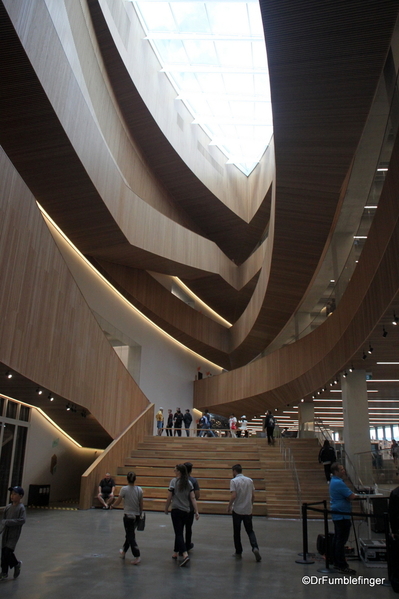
384, 332
9, 374
370, 349
39, 391
395, 319
364, 355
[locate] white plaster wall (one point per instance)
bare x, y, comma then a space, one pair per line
45, 441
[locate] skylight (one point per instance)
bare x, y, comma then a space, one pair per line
214, 54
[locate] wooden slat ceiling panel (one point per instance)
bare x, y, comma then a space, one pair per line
325, 60
369, 303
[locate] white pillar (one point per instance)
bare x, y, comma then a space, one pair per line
357, 427
306, 420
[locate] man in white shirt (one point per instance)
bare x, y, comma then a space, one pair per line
240, 506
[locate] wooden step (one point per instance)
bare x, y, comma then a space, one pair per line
199, 472
204, 462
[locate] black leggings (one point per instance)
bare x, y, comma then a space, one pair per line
179, 519
130, 525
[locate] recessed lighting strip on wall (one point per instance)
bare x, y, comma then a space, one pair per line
120, 295
28, 405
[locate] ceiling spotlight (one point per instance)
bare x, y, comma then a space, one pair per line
345, 374
39, 391
370, 349
50, 397
395, 319
384, 332
351, 369
364, 355
9, 374
68, 407
83, 414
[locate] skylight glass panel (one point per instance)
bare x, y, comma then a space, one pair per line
214, 54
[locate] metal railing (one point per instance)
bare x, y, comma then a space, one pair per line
289, 462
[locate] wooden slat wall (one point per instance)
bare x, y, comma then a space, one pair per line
47, 331
294, 371
322, 88
114, 455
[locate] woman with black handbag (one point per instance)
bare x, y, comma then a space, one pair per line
132, 516
181, 495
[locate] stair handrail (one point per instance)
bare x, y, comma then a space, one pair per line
289, 462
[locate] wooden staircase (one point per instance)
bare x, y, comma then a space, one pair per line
312, 481
212, 459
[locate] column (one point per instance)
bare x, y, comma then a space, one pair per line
357, 427
306, 420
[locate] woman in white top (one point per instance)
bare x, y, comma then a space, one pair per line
181, 492
233, 425
133, 509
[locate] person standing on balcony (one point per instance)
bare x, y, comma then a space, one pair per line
233, 425
178, 421
160, 420
187, 419
169, 424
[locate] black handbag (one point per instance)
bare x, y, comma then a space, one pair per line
141, 524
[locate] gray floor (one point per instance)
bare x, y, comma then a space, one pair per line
74, 554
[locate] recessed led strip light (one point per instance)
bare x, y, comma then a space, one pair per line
23, 403
340, 391
383, 381
197, 299
120, 295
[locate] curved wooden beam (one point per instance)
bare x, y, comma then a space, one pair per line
294, 371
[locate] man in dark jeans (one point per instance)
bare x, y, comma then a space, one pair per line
340, 500
187, 418
178, 421
240, 505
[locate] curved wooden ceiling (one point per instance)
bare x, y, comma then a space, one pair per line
325, 60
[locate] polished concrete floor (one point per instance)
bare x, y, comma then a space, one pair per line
74, 554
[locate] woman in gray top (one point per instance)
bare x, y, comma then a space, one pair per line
181, 492
133, 509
